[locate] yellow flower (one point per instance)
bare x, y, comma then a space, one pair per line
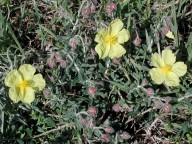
23, 83
109, 40
167, 70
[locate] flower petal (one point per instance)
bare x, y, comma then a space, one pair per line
27, 71
172, 79
99, 37
168, 57
13, 78
116, 51
179, 68
157, 75
29, 96
123, 36
14, 94
157, 60
102, 50
115, 27
38, 82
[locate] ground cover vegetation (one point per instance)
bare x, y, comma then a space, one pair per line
95, 71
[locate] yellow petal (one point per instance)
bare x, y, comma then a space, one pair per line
14, 94
157, 60
179, 68
170, 35
157, 75
13, 78
38, 82
29, 96
102, 50
116, 51
99, 37
115, 27
172, 79
168, 57
123, 36
27, 71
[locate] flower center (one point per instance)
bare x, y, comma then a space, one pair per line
111, 39
24, 84
166, 69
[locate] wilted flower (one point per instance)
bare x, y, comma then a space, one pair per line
117, 108
92, 111
167, 70
51, 62
23, 83
111, 7
105, 138
109, 130
166, 32
109, 40
92, 91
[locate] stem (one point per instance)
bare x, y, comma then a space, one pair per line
184, 97
53, 130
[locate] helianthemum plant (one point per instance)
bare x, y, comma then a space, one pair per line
23, 83
167, 69
110, 39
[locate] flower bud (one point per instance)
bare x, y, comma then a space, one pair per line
125, 135
157, 104
105, 138
58, 58
165, 30
92, 111
111, 7
63, 63
86, 11
166, 107
90, 124
92, 91
117, 108
93, 8
72, 43
109, 130
168, 99
144, 82
116, 60
51, 62
150, 91
137, 41
46, 92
